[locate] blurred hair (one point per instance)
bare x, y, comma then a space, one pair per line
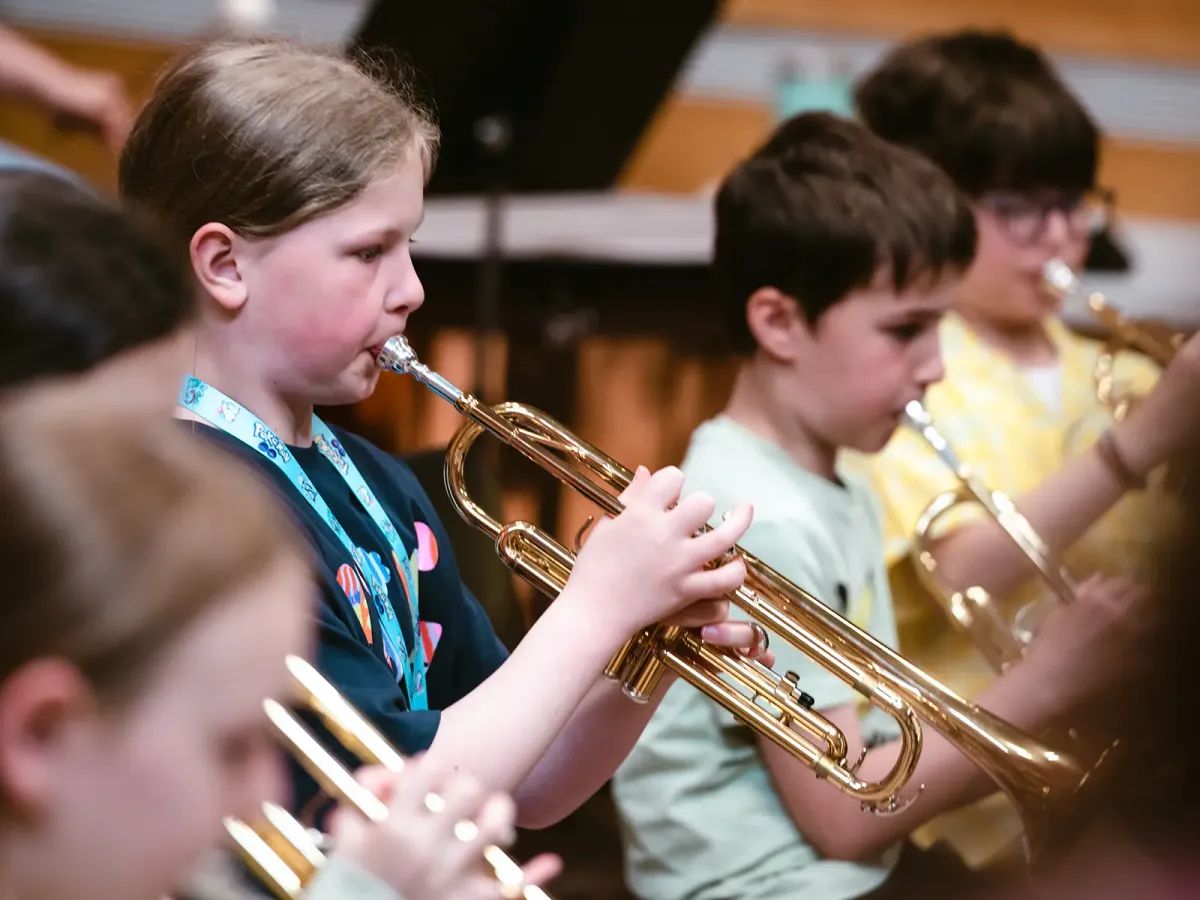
990, 110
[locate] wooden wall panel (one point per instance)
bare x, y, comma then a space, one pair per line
693, 142
1165, 30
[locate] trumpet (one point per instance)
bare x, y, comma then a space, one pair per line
1153, 338
972, 609
1042, 782
281, 852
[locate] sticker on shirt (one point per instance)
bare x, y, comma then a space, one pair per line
431, 636
356, 593
427, 547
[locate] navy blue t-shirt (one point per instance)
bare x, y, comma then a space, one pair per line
462, 648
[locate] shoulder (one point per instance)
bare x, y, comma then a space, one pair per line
954, 337
710, 439
735, 466
384, 469
859, 492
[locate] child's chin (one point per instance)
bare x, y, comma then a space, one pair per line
352, 388
875, 440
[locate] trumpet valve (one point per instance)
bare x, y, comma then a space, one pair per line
793, 692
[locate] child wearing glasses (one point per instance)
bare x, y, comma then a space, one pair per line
1017, 401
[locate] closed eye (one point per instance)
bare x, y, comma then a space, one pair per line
906, 331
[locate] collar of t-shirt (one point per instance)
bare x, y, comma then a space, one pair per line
1046, 381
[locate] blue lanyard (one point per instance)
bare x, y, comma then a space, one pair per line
229, 416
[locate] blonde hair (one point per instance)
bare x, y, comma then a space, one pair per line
264, 136
117, 531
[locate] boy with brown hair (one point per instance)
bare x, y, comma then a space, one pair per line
837, 254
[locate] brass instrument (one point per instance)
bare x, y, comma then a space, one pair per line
1152, 338
285, 855
1042, 782
972, 609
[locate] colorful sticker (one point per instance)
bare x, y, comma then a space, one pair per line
357, 595
431, 635
427, 547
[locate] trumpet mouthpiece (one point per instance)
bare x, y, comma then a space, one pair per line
1060, 278
917, 414
396, 355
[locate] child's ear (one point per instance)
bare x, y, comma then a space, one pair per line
39, 705
214, 254
777, 322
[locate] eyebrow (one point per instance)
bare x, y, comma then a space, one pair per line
383, 232
914, 312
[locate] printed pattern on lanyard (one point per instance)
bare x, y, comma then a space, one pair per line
230, 417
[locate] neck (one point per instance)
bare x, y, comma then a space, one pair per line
289, 417
1027, 344
756, 404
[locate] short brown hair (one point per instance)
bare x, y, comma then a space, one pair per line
263, 136
118, 531
821, 208
987, 108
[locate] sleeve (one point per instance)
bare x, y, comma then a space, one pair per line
782, 545
366, 682
370, 686
342, 880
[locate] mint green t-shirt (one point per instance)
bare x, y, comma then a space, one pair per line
700, 818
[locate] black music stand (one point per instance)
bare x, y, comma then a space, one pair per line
578, 80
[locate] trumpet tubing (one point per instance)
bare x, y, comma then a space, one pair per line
972, 609
282, 853
1041, 781
1155, 339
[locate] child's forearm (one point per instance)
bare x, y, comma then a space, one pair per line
1061, 510
838, 828
500, 731
1063, 507
595, 741
26, 70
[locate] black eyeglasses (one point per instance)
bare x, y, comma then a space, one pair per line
1023, 216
